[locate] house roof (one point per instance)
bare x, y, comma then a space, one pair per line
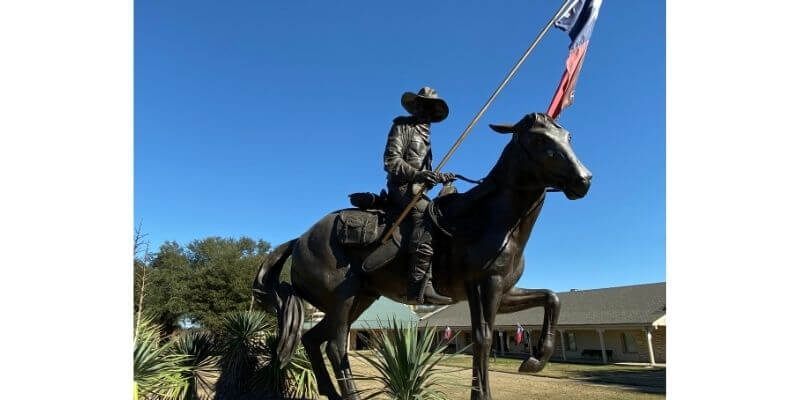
381, 313
623, 305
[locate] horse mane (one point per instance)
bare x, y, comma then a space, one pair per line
462, 204
457, 211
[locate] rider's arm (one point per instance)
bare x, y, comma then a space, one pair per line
393, 161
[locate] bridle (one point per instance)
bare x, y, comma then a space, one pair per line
513, 186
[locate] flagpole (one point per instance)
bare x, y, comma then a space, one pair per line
478, 116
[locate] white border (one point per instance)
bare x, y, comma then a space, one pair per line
66, 170
732, 145
66, 207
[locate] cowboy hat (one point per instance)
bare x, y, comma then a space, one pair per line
426, 99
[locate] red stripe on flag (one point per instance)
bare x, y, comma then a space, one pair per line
566, 88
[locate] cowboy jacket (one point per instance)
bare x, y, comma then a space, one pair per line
408, 150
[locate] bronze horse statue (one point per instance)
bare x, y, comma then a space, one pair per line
480, 262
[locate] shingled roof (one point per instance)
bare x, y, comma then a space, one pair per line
623, 305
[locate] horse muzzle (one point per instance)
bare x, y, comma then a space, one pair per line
578, 188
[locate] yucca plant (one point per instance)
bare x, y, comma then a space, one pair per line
200, 350
241, 344
296, 381
158, 372
406, 362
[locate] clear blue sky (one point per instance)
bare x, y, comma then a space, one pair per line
257, 118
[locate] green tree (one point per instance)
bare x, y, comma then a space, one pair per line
200, 282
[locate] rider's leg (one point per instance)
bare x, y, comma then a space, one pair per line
420, 289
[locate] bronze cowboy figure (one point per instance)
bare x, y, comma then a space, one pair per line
480, 261
407, 161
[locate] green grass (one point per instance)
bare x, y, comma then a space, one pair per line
588, 382
608, 373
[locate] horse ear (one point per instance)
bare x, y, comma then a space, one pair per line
502, 128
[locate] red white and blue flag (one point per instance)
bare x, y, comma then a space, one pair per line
520, 334
578, 21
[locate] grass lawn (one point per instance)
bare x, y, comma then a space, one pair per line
614, 374
507, 384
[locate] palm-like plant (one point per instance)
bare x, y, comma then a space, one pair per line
249, 361
240, 348
406, 362
245, 355
296, 381
200, 352
158, 372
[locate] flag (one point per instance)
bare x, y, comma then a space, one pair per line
578, 21
520, 333
448, 333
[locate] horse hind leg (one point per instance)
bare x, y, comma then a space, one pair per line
518, 299
337, 346
312, 340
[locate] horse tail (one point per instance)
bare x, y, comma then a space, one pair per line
279, 296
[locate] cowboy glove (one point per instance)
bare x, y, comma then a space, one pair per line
429, 178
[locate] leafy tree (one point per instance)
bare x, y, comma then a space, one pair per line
200, 282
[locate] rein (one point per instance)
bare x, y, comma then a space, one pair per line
479, 181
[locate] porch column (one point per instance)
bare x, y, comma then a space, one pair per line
649, 333
602, 346
563, 345
530, 342
502, 343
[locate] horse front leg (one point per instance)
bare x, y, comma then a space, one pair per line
518, 299
484, 300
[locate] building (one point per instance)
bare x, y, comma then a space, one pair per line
618, 324
380, 314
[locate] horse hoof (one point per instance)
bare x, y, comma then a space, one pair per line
531, 365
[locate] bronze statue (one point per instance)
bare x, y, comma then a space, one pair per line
407, 161
479, 236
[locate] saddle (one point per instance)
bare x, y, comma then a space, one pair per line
365, 225
450, 213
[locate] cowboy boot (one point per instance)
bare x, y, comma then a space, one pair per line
420, 289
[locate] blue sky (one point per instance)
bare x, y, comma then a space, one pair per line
254, 118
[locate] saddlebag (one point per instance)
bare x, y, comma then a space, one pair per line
356, 228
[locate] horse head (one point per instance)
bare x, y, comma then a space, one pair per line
547, 153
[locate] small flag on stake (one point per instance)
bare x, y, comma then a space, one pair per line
520, 333
578, 21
